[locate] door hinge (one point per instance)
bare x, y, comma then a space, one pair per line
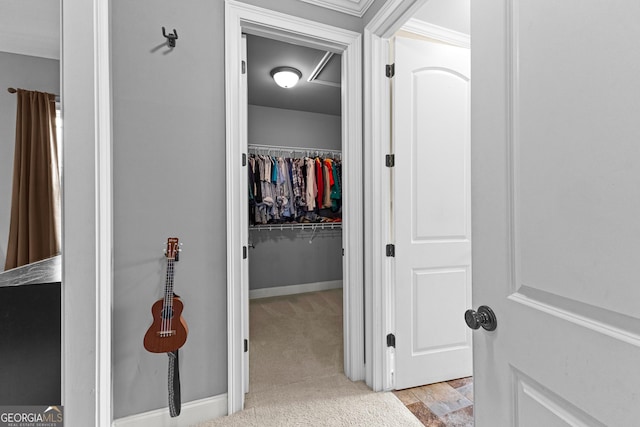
244, 67
342, 251
390, 160
244, 159
390, 70
391, 340
244, 252
391, 250
246, 346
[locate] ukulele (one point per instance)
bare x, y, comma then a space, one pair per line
169, 330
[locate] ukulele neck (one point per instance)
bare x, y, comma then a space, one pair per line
172, 256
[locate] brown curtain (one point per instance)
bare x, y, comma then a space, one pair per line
34, 232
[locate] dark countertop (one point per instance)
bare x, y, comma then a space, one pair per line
45, 271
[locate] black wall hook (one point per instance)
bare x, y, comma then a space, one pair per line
171, 38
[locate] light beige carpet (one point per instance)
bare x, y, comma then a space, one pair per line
296, 365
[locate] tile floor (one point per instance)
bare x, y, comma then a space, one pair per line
446, 404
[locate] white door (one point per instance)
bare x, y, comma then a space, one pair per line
556, 211
432, 211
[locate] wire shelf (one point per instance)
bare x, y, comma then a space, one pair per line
286, 150
298, 226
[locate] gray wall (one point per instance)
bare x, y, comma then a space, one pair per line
25, 72
277, 126
293, 257
169, 180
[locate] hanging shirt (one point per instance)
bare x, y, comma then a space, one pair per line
312, 189
336, 190
283, 189
274, 170
297, 183
326, 198
319, 183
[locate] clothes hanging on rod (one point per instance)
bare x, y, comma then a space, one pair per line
294, 189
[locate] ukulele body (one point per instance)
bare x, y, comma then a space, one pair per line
166, 333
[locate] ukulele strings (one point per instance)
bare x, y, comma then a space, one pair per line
170, 296
164, 304
167, 314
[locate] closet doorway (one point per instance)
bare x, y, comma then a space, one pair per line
295, 215
242, 19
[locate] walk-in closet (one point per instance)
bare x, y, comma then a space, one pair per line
294, 166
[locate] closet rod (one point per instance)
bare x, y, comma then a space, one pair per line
293, 149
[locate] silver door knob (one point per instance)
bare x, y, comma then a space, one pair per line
484, 317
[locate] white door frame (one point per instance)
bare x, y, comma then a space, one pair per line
87, 204
379, 269
242, 17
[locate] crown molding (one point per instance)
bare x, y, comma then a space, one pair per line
351, 7
433, 31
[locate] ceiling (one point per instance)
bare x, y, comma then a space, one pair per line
321, 95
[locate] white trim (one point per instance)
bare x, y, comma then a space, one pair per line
313, 77
104, 212
378, 267
377, 220
241, 17
391, 16
320, 66
303, 288
436, 32
87, 213
235, 334
191, 413
352, 210
351, 7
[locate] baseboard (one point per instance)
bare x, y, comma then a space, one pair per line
191, 413
294, 289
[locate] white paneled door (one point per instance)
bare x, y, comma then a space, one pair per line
556, 211
432, 211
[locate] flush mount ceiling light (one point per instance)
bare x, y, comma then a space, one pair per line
286, 77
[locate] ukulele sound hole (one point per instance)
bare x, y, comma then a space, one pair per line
167, 313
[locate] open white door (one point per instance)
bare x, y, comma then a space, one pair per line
556, 211
432, 217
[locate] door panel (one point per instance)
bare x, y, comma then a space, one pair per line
439, 153
431, 212
555, 211
537, 406
451, 287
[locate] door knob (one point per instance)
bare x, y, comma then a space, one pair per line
484, 317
